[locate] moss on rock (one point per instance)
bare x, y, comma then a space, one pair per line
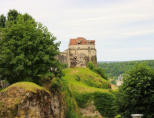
26, 99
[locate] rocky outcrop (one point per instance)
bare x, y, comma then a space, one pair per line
28, 100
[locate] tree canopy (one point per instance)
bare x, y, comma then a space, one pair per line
114, 69
136, 95
97, 70
27, 49
2, 21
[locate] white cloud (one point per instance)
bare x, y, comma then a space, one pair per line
109, 23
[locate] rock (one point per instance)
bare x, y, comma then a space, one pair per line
28, 100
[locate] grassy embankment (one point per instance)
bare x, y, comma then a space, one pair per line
82, 87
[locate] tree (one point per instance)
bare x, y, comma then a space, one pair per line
12, 15
2, 21
136, 95
97, 70
101, 72
27, 50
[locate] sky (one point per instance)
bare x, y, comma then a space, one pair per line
123, 29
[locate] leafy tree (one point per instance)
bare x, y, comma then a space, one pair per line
136, 95
105, 104
101, 72
2, 21
12, 15
27, 50
114, 69
98, 70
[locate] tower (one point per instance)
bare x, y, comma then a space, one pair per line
80, 51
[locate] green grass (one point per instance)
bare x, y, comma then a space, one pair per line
85, 77
83, 80
79, 86
85, 86
27, 86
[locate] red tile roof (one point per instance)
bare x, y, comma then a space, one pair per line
81, 41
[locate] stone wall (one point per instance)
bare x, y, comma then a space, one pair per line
63, 57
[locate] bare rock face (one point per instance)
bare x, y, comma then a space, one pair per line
28, 100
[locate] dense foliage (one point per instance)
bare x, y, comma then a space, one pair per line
98, 70
2, 21
106, 104
136, 95
114, 69
27, 49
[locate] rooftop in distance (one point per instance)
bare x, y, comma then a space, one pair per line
81, 41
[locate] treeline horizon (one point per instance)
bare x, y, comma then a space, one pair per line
126, 61
114, 68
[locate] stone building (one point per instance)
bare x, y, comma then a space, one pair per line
80, 51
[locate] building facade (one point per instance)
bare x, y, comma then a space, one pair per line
80, 51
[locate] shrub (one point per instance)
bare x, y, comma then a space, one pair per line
105, 104
97, 70
83, 99
91, 66
136, 95
101, 72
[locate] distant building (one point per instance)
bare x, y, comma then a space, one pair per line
80, 51
119, 80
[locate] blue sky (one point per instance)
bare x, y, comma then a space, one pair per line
123, 29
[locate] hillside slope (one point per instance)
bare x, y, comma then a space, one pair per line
83, 77
81, 93
91, 93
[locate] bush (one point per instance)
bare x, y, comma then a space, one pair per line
136, 95
91, 66
101, 72
97, 70
83, 99
105, 104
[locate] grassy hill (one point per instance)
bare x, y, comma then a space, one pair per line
84, 88
81, 78
85, 94
114, 69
